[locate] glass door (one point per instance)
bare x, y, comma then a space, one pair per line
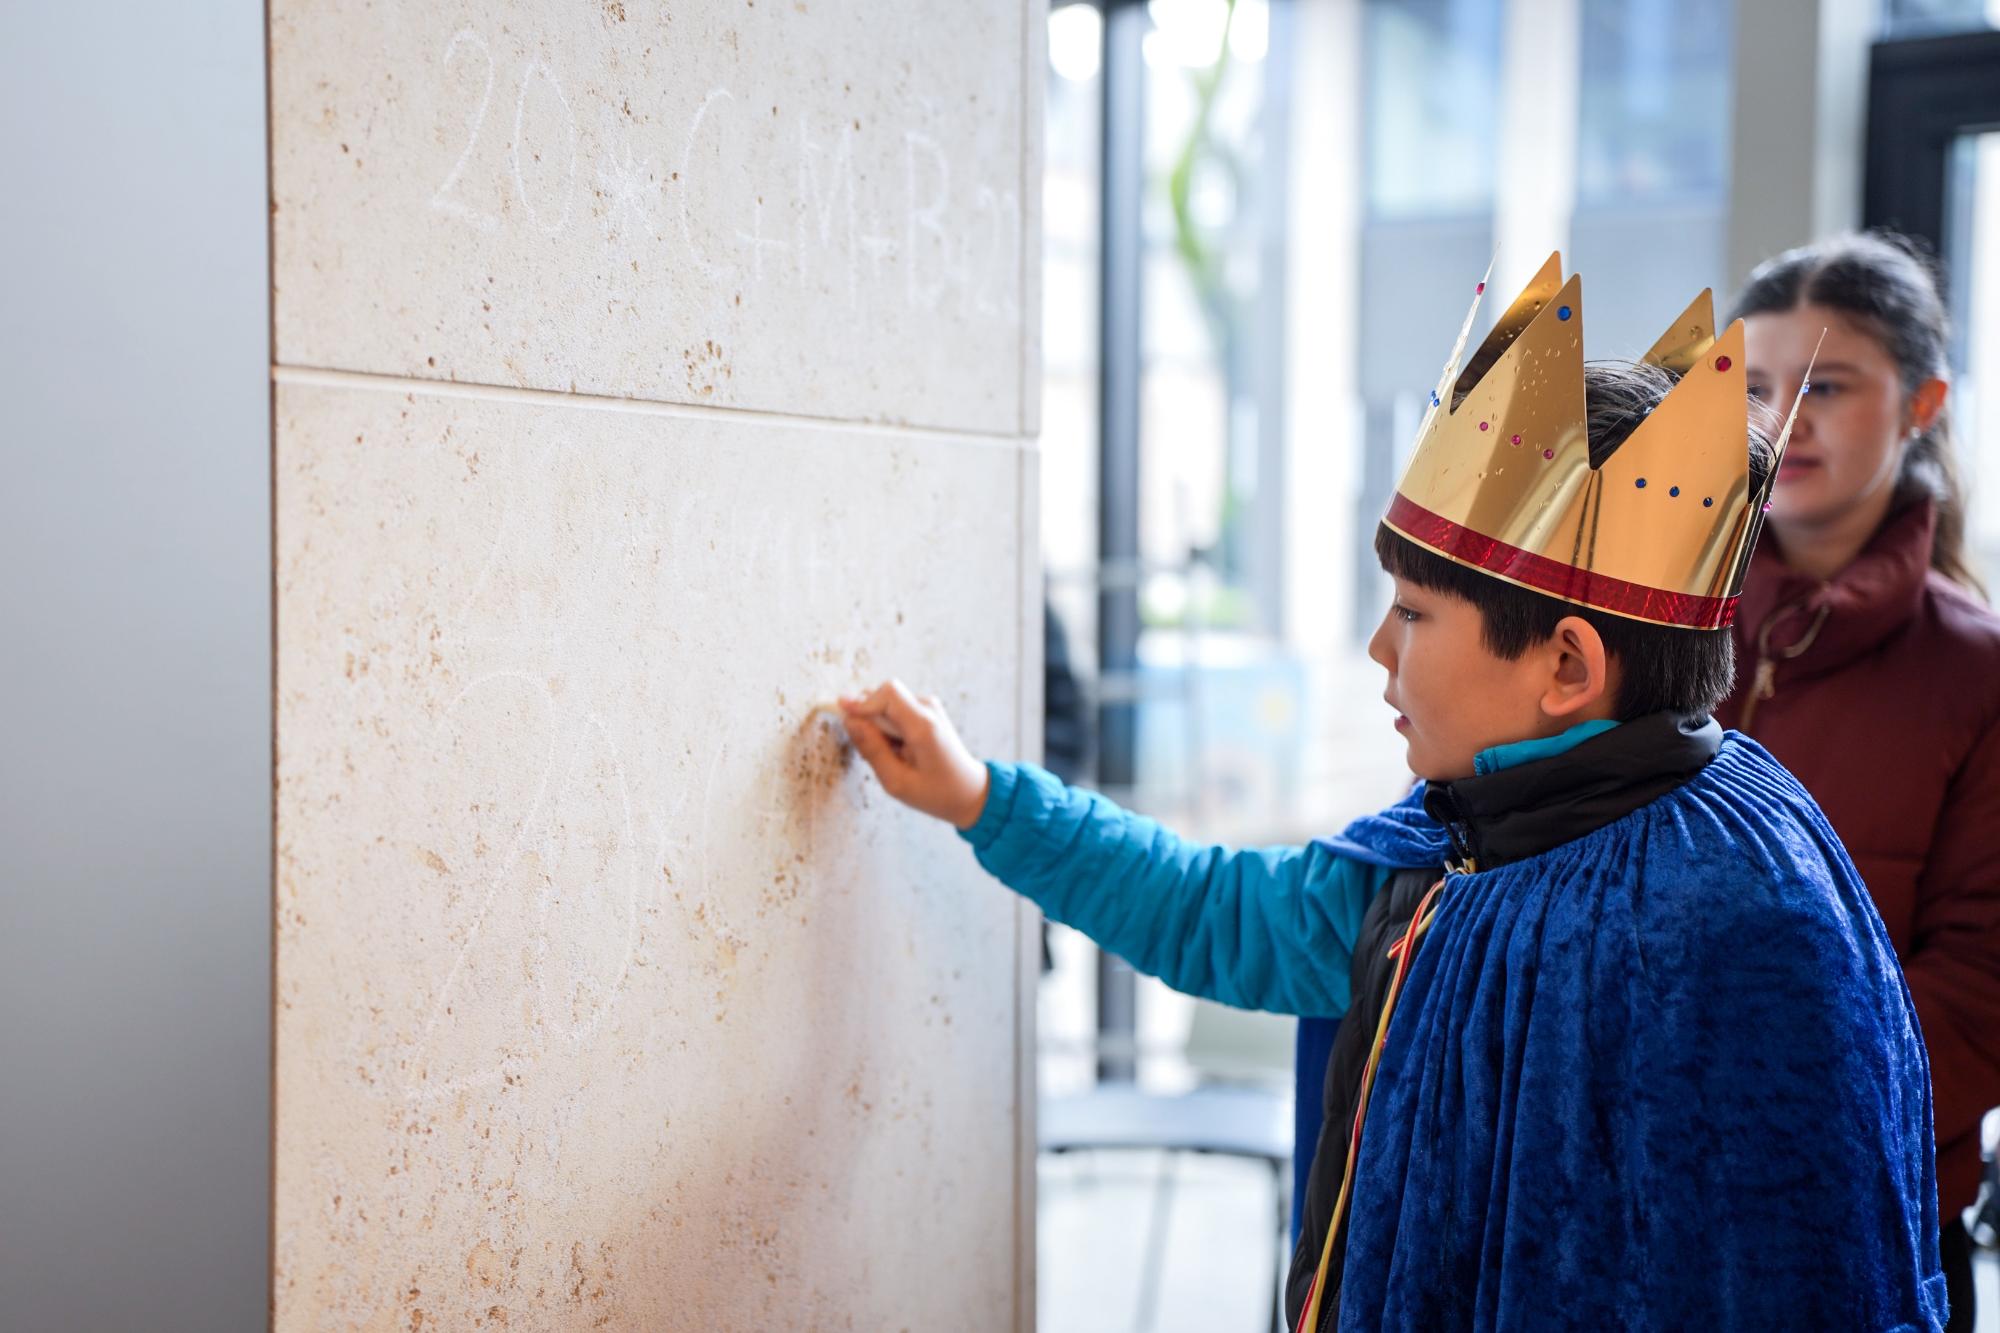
1933, 171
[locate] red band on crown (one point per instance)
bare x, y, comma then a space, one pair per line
1680, 609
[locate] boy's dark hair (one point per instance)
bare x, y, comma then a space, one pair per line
1661, 669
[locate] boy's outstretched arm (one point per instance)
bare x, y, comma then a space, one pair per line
1261, 929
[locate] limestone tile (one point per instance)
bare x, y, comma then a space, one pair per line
611, 993
807, 206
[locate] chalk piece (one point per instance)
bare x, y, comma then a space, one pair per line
832, 709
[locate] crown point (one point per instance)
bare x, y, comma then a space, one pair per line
1486, 425
1681, 348
1674, 491
1723, 363
1548, 453
1642, 483
1708, 502
1517, 440
1563, 312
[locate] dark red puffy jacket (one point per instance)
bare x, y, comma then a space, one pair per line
1880, 690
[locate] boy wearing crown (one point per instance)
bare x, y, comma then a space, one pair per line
1625, 1044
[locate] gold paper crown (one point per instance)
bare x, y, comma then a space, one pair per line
1660, 531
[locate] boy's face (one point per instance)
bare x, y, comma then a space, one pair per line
1454, 697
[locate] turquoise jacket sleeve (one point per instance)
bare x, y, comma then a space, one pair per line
1271, 928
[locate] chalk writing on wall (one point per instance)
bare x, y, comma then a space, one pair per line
958, 241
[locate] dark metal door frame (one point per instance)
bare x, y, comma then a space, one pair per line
1923, 93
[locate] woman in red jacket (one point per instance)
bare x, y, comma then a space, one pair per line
1869, 663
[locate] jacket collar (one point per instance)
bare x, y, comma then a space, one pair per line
1527, 809
1855, 611
1524, 752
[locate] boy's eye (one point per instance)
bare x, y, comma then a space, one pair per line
1757, 392
1826, 390
1405, 613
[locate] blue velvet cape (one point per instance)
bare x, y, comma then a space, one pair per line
1665, 1076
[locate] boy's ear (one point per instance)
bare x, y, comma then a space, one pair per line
1582, 674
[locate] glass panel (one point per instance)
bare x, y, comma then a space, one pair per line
1655, 87
1073, 141
1432, 117
1208, 185
1070, 301
1972, 263
1213, 200
1918, 18
1654, 101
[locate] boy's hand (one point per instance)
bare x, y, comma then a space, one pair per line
916, 753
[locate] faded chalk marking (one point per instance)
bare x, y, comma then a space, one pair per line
629, 184
711, 270
606, 996
569, 173
442, 200
927, 217
758, 241
818, 201
422, 1090
965, 240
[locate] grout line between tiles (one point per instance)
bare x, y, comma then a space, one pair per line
370, 381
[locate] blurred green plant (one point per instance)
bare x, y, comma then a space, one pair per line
1203, 254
